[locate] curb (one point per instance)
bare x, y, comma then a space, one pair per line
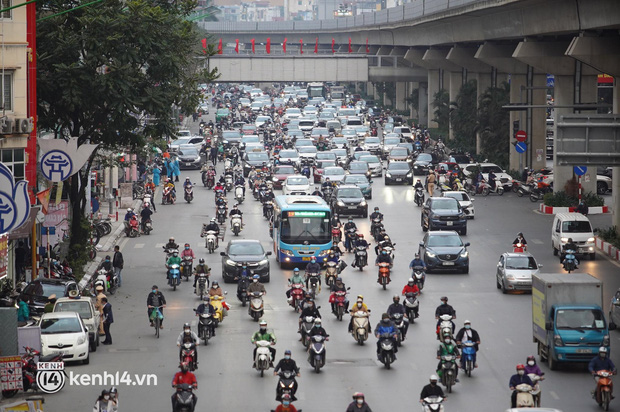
550, 210
607, 248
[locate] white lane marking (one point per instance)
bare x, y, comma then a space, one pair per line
538, 241
509, 341
123, 243
138, 246
554, 395
159, 245
491, 320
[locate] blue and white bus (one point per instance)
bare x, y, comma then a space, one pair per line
301, 229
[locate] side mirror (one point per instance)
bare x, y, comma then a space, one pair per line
222, 253
499, 265
540, 265
226, 292
349, 288
548, 325
466, 244
421, 244
268, 253
472, 200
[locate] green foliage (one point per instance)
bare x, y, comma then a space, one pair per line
562, 199
493, 123
414, 100
464, 118
441, 103
593, 199
610, 235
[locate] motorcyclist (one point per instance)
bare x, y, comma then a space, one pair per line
376, 215
173, 192
130, 213
286, 405
491, 180
262, 334
360, 242
444, 309
570, 245
187, 377
359, 403
417, 262
287, 364
327, 183
432, 389
516, 380
411, 287
187, 251
348, 226
466, 333
338, 286
317, 192
212, 226
385, 326
219, 186
532, 367
318, 329
336, 221
235, 212
418, 185
201, 268
293, 280
106, 264
172, 260
447, 347
188, 335
601, 362
309, 309
383, 258
171, 244
386, 242
358, 306
155, 299
240, 181
187, 183
395, 308
312, 267
520, 239
256, 286
207, 307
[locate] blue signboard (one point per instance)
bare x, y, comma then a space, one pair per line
580, 170
521, 147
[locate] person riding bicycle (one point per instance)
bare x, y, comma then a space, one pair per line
154, 300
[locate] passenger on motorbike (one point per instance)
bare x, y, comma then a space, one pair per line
532, 367
187, 377
466, 333
130, 213
601, 362
293, 280
172, 260
432, 389
312, 267
201, 268
145, 215
188, 335
173, 192
444, 309
207, 307
447, 347
338, 286
491, 180
309, 309
516, 380
385, 326
386, 242
262, 334
398, 308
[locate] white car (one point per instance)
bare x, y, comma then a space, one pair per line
603, 183
261, 120
466, 202
64, 332
311, 110
296, 185
390, 141
374, 165
334, 173
292, 113
289, 157
84, 307
181, 134
404, 132
372, 144
351, 135
307, 152
503, 178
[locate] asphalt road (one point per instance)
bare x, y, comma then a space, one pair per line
225, 377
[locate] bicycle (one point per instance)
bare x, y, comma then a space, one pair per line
158, 317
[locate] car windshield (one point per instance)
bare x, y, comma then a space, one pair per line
293, 111
179, 142
228, 134
188, 152
250, 139
297, 180
288, 155
51, 326
459, 196
339, 152
494, 169
325, 156
333, 171
222, 111
424, 157
521, 262
81, 307
320, 132
258, 156
405, 130
294, 132
444, 204
349, 132
249, 248
399, 152
361, 129
307, 149
263, 119
44, 289
284, 170
312, 230
576, 226
355, 179
370, 159
372, 140
580, 319
303, 143
398, 166
339, 140
349, 193
444, 241
326, 163
306, 123
358, 166
391, 141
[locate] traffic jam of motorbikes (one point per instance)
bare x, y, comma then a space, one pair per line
307, 155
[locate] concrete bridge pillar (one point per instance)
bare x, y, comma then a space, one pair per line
517, 95
615, 190
435, 80
423, 114
402, 93
456, 82
483, 82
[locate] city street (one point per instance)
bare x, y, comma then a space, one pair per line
225, 377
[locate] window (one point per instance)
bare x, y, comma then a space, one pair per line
7, 90
14, 159
6, 14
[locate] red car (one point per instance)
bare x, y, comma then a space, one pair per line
280, 173
319, 167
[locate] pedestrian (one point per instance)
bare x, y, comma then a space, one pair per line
108, 319
176, 168
156, 175
49, 306
430, 181
164, 170
213, 155
99, 306
169, 168
23, 312
117, 263
141, 170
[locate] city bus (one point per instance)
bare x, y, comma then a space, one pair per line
317, 90
301, 229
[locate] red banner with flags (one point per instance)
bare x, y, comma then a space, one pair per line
204, 46
333, 44
219, 47
316, 46
253, 41
284, 45
367, 48
350, 48
268, 47
301, 46
237, 45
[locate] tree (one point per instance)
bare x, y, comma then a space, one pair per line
414, 101
103, 68
493, 123
464, 117
441, 103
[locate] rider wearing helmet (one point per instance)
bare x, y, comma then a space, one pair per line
263, 334
171, 244
318, 329
201, 269
256, 286
312, 268
411, 287
532, 367
173, 260
383, 257
358, 306
466, 333
286, 405
432, 389
187, 183
188, 335
359, 242
187, 377
187, 251
129, 214
417, 262
520, 239
397, 308
296, 279
338, 286
516, 380
385, 327
376, 215
104, 403
447, 347
601, 362
359, 404
212, 226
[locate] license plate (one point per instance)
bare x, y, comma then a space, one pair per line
352, 207
583, 351
449, 223
188, 164
448, 263
399, 179
305, 259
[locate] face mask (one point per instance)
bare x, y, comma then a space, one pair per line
285, 403
187, 248
106, 397
384, 253
287, 357
433, 383
386, 320
360, 401
531, 363
359, 305
186, 331
154, 290
317, 326
263, 330
467, 326
602, 355
255, 280
448, 341
521, 372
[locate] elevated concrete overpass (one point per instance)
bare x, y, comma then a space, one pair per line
487, 40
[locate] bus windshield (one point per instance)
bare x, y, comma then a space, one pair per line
305, 227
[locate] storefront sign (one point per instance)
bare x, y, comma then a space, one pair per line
11, 373
57, 217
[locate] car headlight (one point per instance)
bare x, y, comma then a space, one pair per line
464, 254
590, 240
81, 340
410, 174
287, 252
263, 262
563, 239
363, 203
430, 254
340, 203
230, 262
388, 175
510, 277
557, 340
275, 180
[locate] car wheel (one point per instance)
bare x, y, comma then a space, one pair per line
555, 251
93, 345
497, 284
386, 182
424, 228
503, 287
370, 197
464, 232
268, 278
601, 188
87, 360
592, 256
466, 270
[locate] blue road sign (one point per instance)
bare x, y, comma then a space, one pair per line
521, 147
580, 170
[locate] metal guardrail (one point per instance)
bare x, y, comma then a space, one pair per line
409, 11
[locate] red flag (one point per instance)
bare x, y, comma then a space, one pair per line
350, 49
301, 46
237, 45
204, 46
333, 43
268, 47
253, 45
284, 45
367, 48
316, 46
219, 47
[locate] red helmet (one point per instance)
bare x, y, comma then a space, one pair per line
358, 395
361, 235
520, 367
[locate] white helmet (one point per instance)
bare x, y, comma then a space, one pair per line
129, 210
434, 378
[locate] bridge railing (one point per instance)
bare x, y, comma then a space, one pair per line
409, 11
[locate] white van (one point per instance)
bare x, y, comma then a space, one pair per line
577, 227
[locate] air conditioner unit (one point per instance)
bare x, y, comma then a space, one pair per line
23, 125
6, 126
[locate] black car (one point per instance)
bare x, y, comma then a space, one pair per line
254, 160
398, 173
443, 213
423, 162
444, 251
349, 200
37, 292
248, 252
231, 138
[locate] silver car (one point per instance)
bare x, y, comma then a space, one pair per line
515, 270
374, 165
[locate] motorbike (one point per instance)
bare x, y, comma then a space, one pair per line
331, 272
518, 248
389, 249
387, 352
536, 392
174, 276
210, 181
256, 308
239, 195
399, 322
147, 226
221, 214
419, 276
361, 326
188, 355
602, 394
316, 352
184, 398
487, 189
411, 304
263, 360
242, 289
217, 303
228, 182
433, 404
306, 326
569, 263
203, 284
205, 326
351, 236
384, 274
287, 384
315, 286
524, 396
419, 196
235, 222
336, 235
29, 369
211, 240
361, 257
297, 296
189, 193
524, 189
340, 303
268, 208
328, 192
166, 196
539, 191
108, 279
445, 326
467, 353
305, 169
448, 371
375, 228
132, 228
187, 263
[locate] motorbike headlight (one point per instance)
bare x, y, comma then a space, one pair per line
464, 254
430, 254
230, 262
275, 179
324, 252
287, 252
263, 262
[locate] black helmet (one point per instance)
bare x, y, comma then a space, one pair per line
201, 261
